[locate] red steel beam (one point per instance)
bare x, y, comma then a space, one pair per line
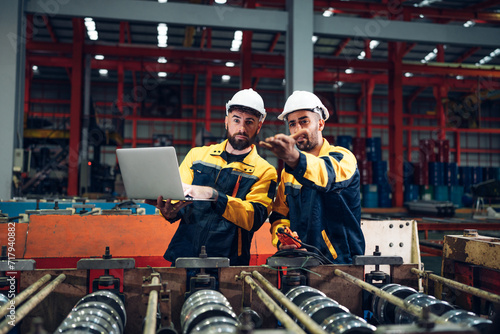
483, 5
208, 99
53, 37
395, 96
319, 75
246, 60
448, 70
369, 87
460, 130
378, 9
261, 58
270, 49
341, 46
49, 28
76, 106
467, 54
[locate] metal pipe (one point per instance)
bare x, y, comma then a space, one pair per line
25, 294
409, 308
150, 320
494, 298
19, 314
310, 324
273, 307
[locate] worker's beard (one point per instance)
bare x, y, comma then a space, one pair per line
240, 143
310, 142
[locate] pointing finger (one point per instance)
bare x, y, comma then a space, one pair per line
299, 133
266, 145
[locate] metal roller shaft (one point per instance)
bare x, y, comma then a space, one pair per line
273, 307
150, 320
409, 308
31, 304
25, 294
494, 298
310, 324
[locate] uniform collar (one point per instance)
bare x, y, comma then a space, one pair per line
325, 148
249, 159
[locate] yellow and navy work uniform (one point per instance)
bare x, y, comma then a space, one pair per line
320, 200
246, 189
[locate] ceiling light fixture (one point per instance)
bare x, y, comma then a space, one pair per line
237, 39
91, 28
162, 29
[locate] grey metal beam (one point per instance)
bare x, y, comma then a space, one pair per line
377, 28
170, 12
12, 39
299, 58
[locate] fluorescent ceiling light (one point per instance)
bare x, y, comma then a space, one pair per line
91, 28
374, 43
103, 72
162, 74
226, 78
220, 2
236, 43
230, 64
162, 29
314, 39
469, 24
488, 58
99, 57
328, 12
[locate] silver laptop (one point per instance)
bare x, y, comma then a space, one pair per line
150, 172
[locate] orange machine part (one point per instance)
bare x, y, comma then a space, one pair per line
77, 236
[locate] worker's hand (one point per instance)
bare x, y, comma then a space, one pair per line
287, 247
283, 146
200, 192
168, 209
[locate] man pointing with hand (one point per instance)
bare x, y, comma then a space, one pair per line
318, 196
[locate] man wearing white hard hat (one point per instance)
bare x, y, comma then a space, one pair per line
232, 173
318, 195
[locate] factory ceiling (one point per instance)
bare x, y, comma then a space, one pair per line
188, 49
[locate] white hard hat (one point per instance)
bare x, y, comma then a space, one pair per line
302, 100
247, 98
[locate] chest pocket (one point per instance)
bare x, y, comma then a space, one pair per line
204, 175
292, 190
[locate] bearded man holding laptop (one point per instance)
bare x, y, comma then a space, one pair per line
238, 185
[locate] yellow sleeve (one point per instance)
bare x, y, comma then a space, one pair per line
185, 168
252, 212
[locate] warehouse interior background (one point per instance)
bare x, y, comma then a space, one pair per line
408, 82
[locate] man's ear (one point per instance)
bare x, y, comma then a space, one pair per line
321, 124
225, 122
259, 127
